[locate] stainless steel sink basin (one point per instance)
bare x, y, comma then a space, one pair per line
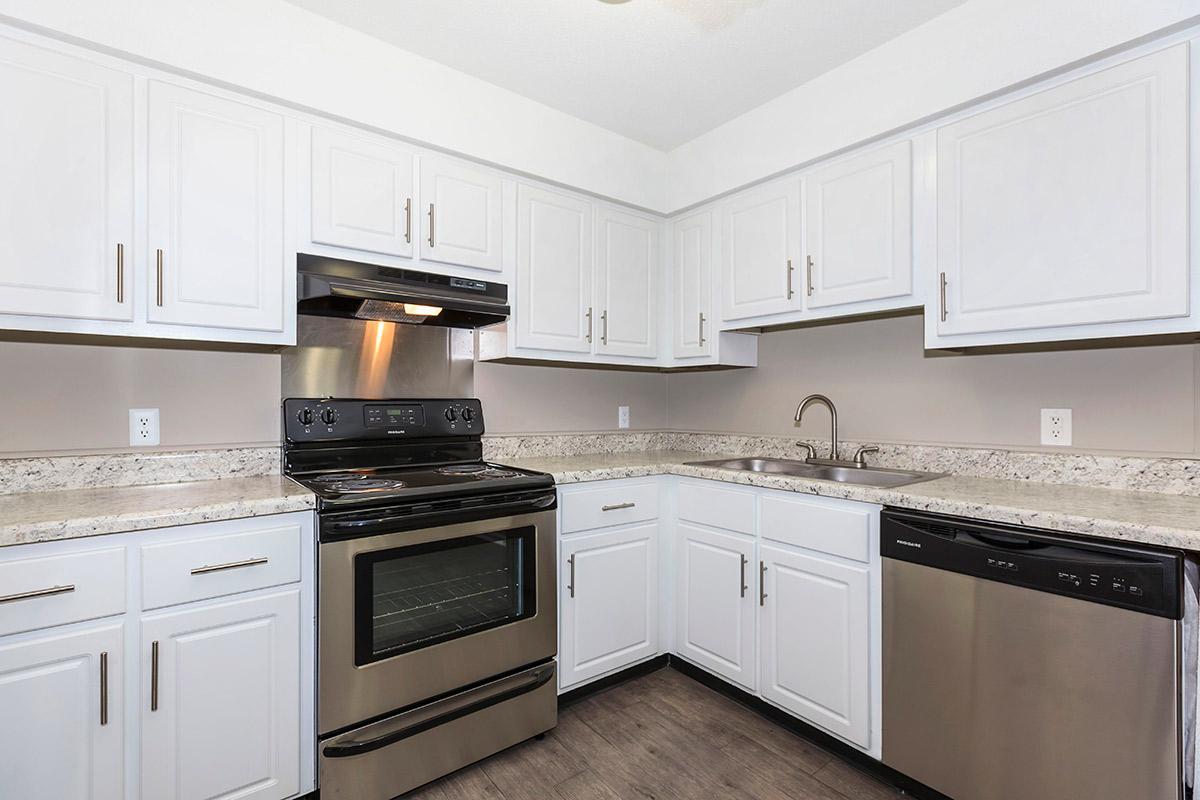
864, 476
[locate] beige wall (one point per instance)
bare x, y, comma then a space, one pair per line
886, 388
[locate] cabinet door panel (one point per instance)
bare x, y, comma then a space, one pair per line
460, 214
215, 211
1069, 207
554, 272
66, 186
627, 255
228, 717
52, 743
362, 193
715, 602
815, 641
859, 228
760, 246
610, 602
693, 285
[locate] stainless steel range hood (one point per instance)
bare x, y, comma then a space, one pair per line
331, 287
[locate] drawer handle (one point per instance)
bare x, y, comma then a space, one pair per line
617, 506
249, 562
53, 590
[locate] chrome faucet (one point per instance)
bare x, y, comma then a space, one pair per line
814, 399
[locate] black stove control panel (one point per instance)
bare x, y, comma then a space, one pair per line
328, 419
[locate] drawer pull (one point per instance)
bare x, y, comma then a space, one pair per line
249, 562
53, 590
617, 506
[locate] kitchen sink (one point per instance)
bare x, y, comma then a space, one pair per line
863, 476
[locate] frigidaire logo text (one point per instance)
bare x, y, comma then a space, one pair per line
907, 543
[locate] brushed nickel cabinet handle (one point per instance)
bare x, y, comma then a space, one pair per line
790, 270
104, 688
617, 506
604, 327
53, 590
120, 272
158, 260
249, 562
408, 220
431, 222
942, 296
571, 580
589, 321
154, 676
745, 561
762, 584
808, 284
702, 329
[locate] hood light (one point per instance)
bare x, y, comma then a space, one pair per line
421, 311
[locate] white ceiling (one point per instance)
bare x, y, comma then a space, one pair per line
658, 71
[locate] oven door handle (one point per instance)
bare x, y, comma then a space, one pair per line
362, 526
419, 720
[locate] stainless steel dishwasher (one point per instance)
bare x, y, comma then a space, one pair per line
1022, 664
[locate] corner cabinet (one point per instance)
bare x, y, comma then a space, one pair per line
692, 289
627, 283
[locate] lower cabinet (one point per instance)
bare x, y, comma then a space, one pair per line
715, 597
814, 640
609, 601
220, 718
62, 725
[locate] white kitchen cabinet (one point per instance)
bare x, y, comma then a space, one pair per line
693, 320
715, 601
815, 640
1068, 207
626, 283
609, 601
215, 211
460, 213
221, 717
67, 206
362, 193
554, 308
761, 248
62, 727
858, 228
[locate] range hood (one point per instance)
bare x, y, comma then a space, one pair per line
332, 287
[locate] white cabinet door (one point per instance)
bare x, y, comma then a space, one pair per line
858, 228
609, 609
761, 248
715, 601
215, 211
227, 722
56, 740
814, 639
1069, 207
66, 186
362, 193
554, 271
693, 285
460, 214
626, 283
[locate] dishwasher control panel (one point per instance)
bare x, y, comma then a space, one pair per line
1136, 578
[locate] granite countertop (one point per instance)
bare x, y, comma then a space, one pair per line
27, 517
1143, 517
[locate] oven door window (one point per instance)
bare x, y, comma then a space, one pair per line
411, 597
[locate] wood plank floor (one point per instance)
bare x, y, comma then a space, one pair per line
661, 737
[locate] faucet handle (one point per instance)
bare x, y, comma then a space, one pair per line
812, 453
862, 451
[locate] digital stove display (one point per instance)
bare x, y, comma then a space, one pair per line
408, 416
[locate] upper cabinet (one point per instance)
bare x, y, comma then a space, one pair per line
363, 193
215, 211
460, 214
67, 196
762, 251
1068, 207
692, 286
858, 228
626, 283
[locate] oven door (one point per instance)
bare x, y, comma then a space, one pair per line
409, 616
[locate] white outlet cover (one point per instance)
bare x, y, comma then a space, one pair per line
1056, 427
143, 427
622, 416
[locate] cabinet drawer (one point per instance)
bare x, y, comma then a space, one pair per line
716, 507
817, 524
54, 590
197, 569
603, 506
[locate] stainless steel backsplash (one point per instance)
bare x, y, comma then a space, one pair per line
369, 359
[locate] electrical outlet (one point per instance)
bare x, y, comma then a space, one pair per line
143, 427
622, 416
1056, 426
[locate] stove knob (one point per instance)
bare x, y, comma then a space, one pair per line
328, 416
468, 415
305, 416
451, 414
